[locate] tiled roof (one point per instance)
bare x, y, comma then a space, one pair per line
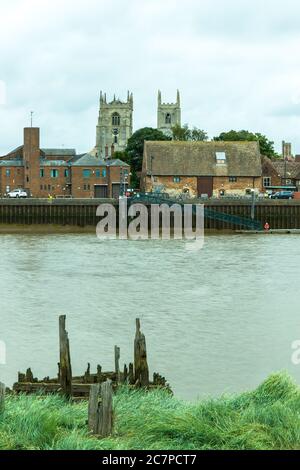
287, 169
199, 158
89, 160
53, 163
59, 152
11, 163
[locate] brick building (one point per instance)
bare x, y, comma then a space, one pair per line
280, 174
60, 172
202, 168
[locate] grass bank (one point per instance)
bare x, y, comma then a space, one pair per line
267, 418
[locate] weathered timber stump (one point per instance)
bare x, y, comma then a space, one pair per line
141, 369
2, 396
65, 359
100, 419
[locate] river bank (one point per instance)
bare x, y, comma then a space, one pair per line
266, 418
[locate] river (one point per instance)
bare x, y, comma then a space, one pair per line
216, 321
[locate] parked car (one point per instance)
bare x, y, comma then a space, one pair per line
283, 195
17, 193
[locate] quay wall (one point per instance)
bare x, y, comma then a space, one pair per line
82, 212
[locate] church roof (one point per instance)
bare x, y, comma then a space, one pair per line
200, 158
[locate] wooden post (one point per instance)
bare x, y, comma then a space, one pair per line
117, 362
100, 420
106, 410
131, 374
99, 374
2, 396
65, 359
94, 408
87, 375
125, 374
141, 370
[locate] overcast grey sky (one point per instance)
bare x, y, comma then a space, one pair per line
236, 63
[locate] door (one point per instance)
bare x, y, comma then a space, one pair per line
205, 186
116, 190
100, 191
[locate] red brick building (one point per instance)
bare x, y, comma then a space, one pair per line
212, 169
60, 172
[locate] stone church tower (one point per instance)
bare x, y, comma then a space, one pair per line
114, 125
168, 114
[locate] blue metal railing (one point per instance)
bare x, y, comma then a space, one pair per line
156, 198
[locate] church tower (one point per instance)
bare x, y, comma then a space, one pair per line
168, 114
114, 125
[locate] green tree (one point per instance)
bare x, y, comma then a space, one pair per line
135, 149
266, 145
184, 133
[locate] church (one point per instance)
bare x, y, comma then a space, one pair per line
115, 122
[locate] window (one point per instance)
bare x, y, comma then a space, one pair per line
116, 120
86, 187
104, 173
42, 173
54, 173
115, 139
41, 187
232, 179
97, 173
168, 118
66, 173
221, 158
176, 179
267, 182
7, 172
87, 173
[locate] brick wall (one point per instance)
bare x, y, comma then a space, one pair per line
168, 184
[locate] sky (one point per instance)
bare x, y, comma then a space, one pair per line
235, 62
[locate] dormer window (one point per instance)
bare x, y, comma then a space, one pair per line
168, 118
116, 120
221, 158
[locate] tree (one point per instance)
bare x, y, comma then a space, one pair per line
266, 145
186, 134
135, 148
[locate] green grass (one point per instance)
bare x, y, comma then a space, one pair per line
267, 418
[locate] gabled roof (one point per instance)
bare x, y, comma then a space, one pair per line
89, 160
116, 162
167, 158
287, 169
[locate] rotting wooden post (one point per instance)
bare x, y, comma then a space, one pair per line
125, 374
141, 370
99, 374
100, 419
131, 374
65, 359
2, 396
93, 418
106, 410
87, 375
117, 362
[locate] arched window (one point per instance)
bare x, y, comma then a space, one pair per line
168, 118
116, 120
